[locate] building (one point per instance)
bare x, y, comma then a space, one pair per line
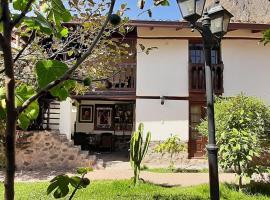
165, 89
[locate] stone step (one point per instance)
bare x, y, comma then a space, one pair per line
92, 157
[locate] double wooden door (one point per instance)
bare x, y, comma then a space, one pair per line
197, 142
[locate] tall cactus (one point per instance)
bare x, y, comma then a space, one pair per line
138, 149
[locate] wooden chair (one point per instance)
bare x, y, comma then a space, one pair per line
106, 141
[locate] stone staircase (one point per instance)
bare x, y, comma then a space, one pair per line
51, 150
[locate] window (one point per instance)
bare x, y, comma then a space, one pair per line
196, 68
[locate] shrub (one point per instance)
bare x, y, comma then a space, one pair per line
242, 133
173, 145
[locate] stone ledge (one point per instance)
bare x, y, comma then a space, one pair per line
50, 150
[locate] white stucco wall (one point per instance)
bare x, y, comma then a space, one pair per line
164, 72
246, 68
67, 112
163, 120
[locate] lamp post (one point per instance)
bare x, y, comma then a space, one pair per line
214, 26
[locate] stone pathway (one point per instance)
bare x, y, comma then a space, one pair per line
113, 173
164, 179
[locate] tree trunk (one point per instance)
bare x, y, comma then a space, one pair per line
10, 103
240, 184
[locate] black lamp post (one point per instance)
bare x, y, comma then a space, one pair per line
214, 26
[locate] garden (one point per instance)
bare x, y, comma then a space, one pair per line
49, 60
123, 190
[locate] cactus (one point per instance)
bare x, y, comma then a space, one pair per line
138, 150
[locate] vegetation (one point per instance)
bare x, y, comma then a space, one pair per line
115, 190
173, 146
60, 185
266, 37
41, 23
242, 130
138, 149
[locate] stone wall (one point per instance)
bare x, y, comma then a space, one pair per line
49, 150
180, 160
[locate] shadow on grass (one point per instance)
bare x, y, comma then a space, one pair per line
254, 188
177, 197
164, 185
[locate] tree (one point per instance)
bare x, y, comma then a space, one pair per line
44, 19
242, 133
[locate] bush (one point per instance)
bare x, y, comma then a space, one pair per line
173, 145
242, 132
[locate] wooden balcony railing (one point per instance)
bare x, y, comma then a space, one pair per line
125, 78
197, 78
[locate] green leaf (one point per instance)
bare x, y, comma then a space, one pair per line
20, 4
3, 109
64, 32
74, 181
39, 23
52, 187
59, 13
23, 121
48, 71
162, 3
84, 170
62, 90
2, 93
24, 92
59, 185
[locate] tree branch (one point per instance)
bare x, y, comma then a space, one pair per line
2, 71
23, 13
98, 80
30, 39
72, 69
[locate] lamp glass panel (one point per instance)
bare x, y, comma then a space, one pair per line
200, 6
226, 21
187, 7
217, 24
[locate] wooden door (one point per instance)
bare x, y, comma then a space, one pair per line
197, 142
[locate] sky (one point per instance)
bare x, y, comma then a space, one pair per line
159, 13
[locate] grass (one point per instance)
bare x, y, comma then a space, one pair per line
122, 190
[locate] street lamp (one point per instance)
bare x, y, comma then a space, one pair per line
214, 26
220, 19
191, 10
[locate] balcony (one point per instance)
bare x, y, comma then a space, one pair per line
124, 79
197, 78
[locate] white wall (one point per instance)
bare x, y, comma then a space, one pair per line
246, 68
165, 70
163, 120
67, 112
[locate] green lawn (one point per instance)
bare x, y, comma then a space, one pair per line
119, 190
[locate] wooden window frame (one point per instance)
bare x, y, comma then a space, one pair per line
199, 70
